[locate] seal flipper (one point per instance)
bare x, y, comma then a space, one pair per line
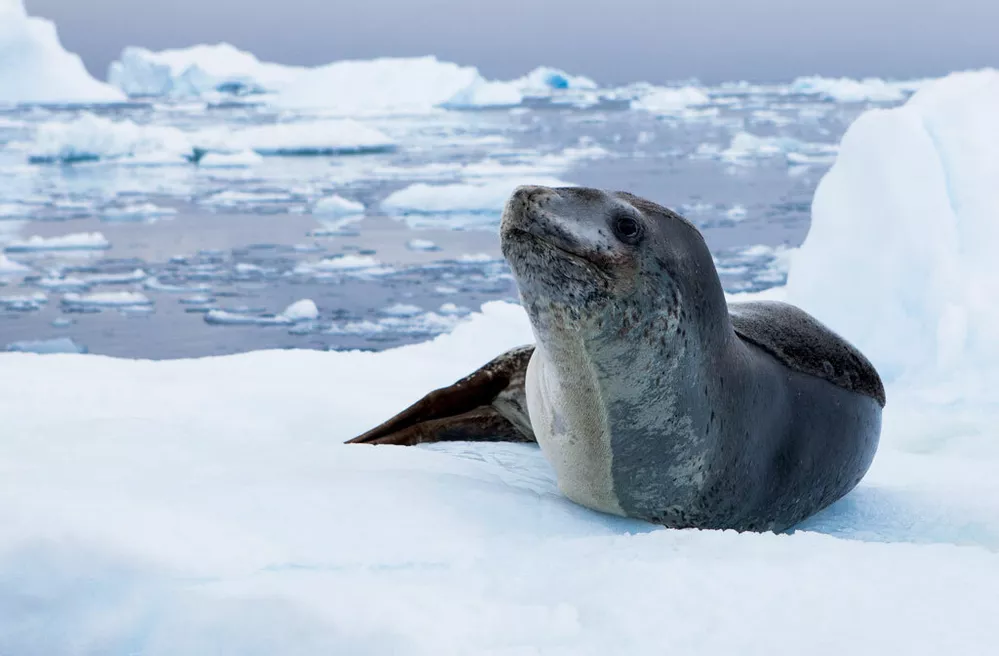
488, 405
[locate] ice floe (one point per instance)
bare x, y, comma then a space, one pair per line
81, 241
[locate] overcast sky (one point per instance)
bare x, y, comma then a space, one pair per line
613, 41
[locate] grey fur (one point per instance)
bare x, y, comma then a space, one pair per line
650, 400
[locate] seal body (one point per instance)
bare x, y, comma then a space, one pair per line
652, 398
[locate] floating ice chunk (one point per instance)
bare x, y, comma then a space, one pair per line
236, 198
226, 318
409, 323
135, 275
8, 266
900, 257
746, 147
487, 197
340, 263
47, 346
197, 70
339, 137
736, 212
137, 212
478, 258
106, 299
68, 284
378, 85
83, 241
401, 310
422, 245
91, 138
34, 67
240, 159
23, 303
849, 90
336, 205
484, 93
303, 310
669, 101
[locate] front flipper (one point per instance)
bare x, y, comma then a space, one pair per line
489, 405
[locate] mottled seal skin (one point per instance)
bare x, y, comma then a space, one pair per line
647, 396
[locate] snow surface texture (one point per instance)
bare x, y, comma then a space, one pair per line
34, 67
200, 506
901, 257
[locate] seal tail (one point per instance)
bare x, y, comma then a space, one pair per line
487, 406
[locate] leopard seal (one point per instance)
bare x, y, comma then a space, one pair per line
650, 396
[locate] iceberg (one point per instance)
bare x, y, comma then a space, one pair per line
416, 84
34, 67
483, 93
900, 257
197, 70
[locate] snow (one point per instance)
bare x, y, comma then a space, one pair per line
485, 197
917, 184
35, 68
80, 241
667, 101
92, 138
196, 70
378, 85
303, 310
196, 506
337, 205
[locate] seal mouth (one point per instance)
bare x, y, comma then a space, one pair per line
551, 245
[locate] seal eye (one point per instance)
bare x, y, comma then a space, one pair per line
626, 228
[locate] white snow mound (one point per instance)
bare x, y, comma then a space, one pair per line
901, 255
208, 506
34, 67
